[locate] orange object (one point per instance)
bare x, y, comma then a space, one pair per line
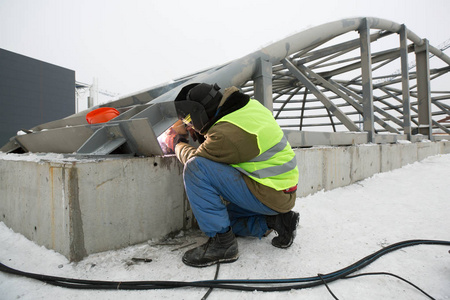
101, 115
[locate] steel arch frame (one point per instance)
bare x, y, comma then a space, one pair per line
334, 88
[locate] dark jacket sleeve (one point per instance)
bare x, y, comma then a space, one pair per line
225, 143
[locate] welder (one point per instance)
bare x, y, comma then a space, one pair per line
242, 178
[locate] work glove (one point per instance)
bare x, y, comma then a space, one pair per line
173, 138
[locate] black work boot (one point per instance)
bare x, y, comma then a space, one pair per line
285, 225
223, 248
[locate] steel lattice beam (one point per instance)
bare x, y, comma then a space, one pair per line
312, 79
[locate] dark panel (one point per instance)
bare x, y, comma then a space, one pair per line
32, 92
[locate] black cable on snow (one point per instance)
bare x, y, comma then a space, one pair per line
266, 285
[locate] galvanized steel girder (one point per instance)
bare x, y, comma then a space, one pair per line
147, 114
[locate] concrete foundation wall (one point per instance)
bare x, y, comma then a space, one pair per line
79, 207
83, 207
326, 168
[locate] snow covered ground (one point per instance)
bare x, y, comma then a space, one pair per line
337, 228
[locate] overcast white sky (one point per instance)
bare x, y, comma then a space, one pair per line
132, 45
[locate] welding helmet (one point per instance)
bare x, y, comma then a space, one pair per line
197, 103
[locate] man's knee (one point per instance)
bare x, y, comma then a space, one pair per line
196, 164
195, 171
193, 161
191, 165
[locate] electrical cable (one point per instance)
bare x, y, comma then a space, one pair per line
328, 288
233, 284
343, 272
389, 274
210, 289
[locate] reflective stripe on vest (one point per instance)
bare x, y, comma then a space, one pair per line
271, 171
272, 151
274, 170
276, 165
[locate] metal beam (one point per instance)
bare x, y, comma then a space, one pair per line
324, 99
262, 81
405, 82
287, 101
376, 109
146, 114
366, 72
423, 89
308, 138
389, 55
104, 141
348, 99
333, 51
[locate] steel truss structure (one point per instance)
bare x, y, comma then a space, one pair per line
360, 80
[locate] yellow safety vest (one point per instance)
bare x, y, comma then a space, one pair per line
276, 165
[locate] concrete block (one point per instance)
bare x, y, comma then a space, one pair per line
444, 147
310, 167
336, 166
425, 149
408, 153
128, 201
33, 202
390, 157
83, 207
79, 207
365, 161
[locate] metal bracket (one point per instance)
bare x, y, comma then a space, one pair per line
104, 141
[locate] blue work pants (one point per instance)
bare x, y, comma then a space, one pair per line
206, 182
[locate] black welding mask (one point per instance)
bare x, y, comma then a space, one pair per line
197, 103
